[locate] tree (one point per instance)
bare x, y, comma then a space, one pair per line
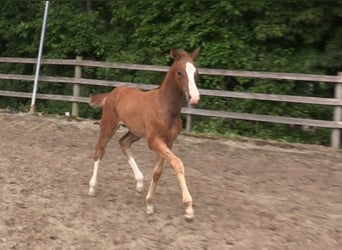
260, 35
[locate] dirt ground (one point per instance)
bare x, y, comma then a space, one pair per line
247, 194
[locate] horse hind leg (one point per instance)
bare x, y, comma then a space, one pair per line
125, 142
157, 171
108, 127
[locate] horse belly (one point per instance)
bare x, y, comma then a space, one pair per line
135, 125
131, 115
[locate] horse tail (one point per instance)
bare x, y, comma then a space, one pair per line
98, 100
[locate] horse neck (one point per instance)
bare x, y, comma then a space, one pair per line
170, 94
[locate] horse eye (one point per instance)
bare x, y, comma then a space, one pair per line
179, 73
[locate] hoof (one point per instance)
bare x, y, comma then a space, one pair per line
189, 214
91, 191
139, 189
189, 217
140, 186
149, 209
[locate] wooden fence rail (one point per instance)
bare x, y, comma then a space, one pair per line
335, 124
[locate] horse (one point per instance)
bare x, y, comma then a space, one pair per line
154, 115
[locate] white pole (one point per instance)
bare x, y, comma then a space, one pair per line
35, 85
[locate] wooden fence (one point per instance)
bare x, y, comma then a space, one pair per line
335, 124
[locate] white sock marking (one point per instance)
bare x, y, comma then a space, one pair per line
137, 173
193, 91
139, 177
93, 181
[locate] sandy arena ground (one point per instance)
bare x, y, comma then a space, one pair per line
247, 194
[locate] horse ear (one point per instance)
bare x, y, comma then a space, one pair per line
174, 53
195, 53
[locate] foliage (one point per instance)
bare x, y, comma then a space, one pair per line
260, 35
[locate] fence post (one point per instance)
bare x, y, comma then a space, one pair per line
76, 88
188, 121
336, 133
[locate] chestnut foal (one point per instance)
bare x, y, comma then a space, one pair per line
155, 115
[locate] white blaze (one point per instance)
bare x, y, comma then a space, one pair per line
193, 91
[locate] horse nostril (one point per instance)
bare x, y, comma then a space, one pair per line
194, 100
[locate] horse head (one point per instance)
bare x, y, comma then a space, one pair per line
185, 73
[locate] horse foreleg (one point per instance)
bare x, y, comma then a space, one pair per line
178, 166
157, 171
164, 151
125, 143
